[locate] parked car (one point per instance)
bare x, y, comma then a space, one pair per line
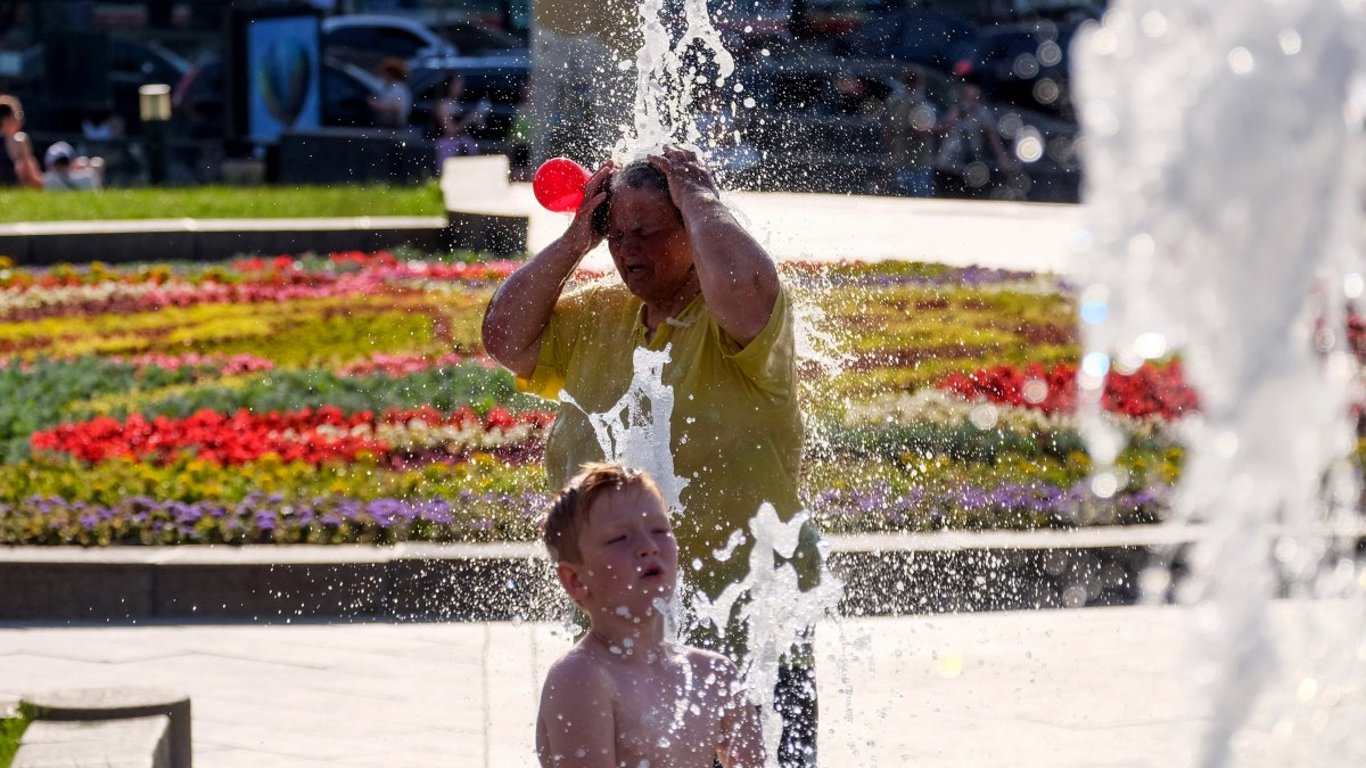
367, 39
499, 80
131, 64
471, 38
199, 100
818, 126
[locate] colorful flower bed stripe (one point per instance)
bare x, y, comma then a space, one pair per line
309, 436
347, 399
1149, 391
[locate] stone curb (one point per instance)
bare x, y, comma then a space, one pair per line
117, 242
884, 574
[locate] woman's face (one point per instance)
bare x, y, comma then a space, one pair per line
649, 244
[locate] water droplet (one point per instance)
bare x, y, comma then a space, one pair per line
1290, 41
1104, 485
1029, 147
1240, 60
1307, 690
949, 665
1150, 345
1352, 285
983, 416
1095, 365
1153, 24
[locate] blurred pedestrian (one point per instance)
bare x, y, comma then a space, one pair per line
67, 171
393, 105
454, 118
18, 166
908, 136
971, 152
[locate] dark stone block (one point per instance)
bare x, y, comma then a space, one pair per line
347, 155
897, 582
75, 591
472, 590
486, 233
264, 591
97, 704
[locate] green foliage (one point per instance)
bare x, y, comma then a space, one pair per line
34, 399
961, 442
445, 389
227, 203
11, 732
901, 337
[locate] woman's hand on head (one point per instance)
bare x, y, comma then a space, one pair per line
689, 179
581, 235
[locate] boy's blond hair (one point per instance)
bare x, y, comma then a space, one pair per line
569, 512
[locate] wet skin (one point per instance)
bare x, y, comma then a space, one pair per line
652, 252
627, 695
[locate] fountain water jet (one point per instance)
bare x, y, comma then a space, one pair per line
1223, 149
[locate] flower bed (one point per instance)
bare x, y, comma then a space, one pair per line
347, 399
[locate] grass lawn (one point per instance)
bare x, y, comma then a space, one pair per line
222, 203
11, 729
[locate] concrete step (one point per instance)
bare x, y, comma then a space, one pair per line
884, 574
140, 742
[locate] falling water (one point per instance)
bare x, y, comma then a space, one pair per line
670, 67
1223, 153
768, 602
637, 428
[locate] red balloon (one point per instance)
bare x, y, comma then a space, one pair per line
558, 184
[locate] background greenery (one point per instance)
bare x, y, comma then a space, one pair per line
224, 203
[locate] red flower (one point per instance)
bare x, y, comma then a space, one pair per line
1149, 391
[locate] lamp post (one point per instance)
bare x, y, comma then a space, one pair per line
154, 107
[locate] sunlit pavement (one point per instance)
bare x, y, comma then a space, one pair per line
1093, 687
1001, 235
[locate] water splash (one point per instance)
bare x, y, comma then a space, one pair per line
777, 614
1223, 140
637, 429
673, 68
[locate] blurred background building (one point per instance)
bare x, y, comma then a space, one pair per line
827, 77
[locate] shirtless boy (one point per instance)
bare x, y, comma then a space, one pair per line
627, 695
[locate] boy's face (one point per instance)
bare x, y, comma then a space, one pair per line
630, 557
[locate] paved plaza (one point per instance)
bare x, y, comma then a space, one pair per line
1092, 687
796, 226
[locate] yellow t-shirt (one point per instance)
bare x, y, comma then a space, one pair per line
736, 428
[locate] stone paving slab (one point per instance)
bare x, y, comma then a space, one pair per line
1093, 687
1024, 236
138, 742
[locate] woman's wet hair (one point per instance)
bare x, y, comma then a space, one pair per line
639, 174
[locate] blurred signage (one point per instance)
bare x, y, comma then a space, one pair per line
277, 73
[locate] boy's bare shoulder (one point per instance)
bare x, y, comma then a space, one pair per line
580, 670
709, 661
